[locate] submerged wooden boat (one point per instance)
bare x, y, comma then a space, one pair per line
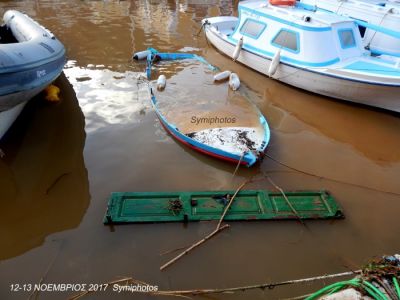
244, 145
313, 50
144, 207
236, 143
31, 58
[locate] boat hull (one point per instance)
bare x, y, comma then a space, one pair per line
247, 159
227, 157
8, 117
20, 86
40, 60
327, 84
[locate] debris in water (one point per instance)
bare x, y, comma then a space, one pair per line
175, 206
231, 139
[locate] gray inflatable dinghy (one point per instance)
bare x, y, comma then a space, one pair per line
31, 58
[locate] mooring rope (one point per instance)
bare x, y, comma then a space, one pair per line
330, 179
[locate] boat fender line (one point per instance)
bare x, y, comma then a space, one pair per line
141, 55
222, 75
161, 82
274, 63
234, 81
204, 24
237, 49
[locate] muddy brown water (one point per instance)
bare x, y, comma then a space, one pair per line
62, 161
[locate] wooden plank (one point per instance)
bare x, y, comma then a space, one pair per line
144, 207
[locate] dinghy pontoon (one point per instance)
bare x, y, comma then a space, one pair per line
31, 58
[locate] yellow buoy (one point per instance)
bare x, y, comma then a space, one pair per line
52, 92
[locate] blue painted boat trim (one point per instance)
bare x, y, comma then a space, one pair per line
283, 21
304, 6
379, 52
172, 56
378, 28
289, 60
381, 29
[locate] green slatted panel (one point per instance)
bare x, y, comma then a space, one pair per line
142, 207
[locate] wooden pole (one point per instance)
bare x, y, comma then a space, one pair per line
218, 229
195, 292
286, 199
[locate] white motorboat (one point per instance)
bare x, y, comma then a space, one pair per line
313, 50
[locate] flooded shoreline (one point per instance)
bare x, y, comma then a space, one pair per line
63, 161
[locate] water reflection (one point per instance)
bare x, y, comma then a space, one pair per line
290, 110
43, 179
107, 97
192, 100
126, 149
372, 132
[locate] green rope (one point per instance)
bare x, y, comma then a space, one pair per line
380, 295
335, 290
336, 286
396, 286
359, 283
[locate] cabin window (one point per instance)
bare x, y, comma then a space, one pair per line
346, 37
288, 40
362, 30
252, 28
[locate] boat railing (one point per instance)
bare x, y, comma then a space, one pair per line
377, 28
381, 29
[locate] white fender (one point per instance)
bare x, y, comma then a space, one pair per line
274, 63
141, 55
234, 81
222, 76
161, 82
237, 49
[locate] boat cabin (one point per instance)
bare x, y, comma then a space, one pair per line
378, 21
304, 38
